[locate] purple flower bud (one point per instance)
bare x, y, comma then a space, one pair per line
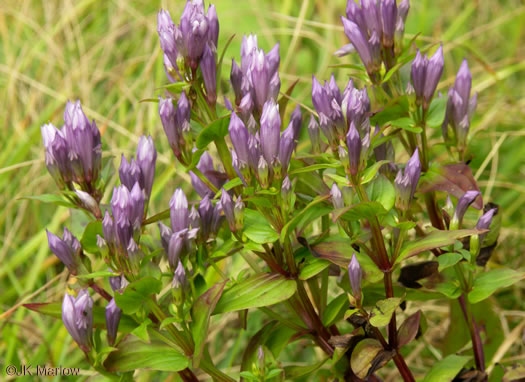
123, 233
108, 229
418, 74
113, 314
270, 131
179, 284
372, 15
433, 73
402, 10
227, 207
374, 44
167, 116
194, 27
209, 72
66, 249
355, 14
118, 283
320, 98
166, 30
239, 137
146, 159
355, 274
354, 144
57, 160
179, 213
286, 147
260, 78
83, 140
360, 43
236, 80
388, 20
176, 246
296, 120
213, 25
286, 190
129, 172
206, 217
463, 203
273, 58
165, 236
217, 218
460, 106
344, 50
137, 207
406, 183
484, 222
337, 197
77, 315
313, 133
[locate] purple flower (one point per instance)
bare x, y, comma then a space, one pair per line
485, 221
388, 21
77, 315
179, 284
228, 208
360, 43
425, 75
146, 159
113, 314
66, 249
460, 106
209, 72
354, 145
179, 213
57, 159
270, 131
461, 208
406, 182
239, 137
355, 274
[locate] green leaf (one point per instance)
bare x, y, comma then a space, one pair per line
294, 372
362, 210
134, 354
295, 220
487, 283
382, 191
137, 294
446, 369
383, 311
448, 259
449, 289
436, 111
141, 331
434, 239
315, 167
200, 313
52, 199
406, 124
95, 275
260, 290
335, 310
257, 228
89, 237
176, 87
363, 356
371, 171
313, 267
215, 130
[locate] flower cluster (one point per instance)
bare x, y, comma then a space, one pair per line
375, 30
73, 153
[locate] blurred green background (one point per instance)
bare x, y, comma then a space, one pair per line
106, 53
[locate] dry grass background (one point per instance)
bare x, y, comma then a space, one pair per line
106, 53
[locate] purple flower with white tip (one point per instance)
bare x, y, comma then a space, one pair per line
461, 208
77, 315
355, 274
406, 182
66, 249
425, 74
113, 314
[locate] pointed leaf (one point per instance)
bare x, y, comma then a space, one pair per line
434, 239
408, 329
383, 311
215, 130
260, 290
257, 228
134, 354
446, 369
487, 283
200, 313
